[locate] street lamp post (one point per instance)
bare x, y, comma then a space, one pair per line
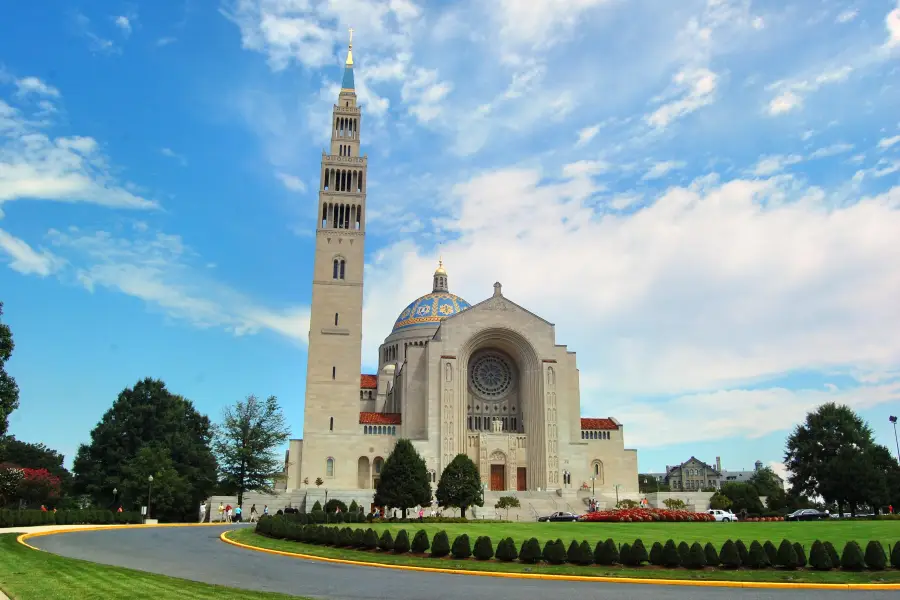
149, 493
893, 420
115, 496
593, 479
617, 493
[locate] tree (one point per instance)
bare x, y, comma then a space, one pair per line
177, 437
647, 484
719, 501
460, 485
674, 504
404, 481
743, 496
507, 502
9, 391
245, 444
37, 487
811, 452
35, 456
768, 484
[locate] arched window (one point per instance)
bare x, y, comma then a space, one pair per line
335, 319
342, 268
329, 467
333, 372
377, 464
330, 423
336, 271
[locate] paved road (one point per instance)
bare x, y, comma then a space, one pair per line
197, 553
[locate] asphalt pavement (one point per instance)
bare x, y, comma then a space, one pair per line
196, 553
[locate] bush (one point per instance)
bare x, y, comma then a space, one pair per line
757, 558
317, 516
420, 542
771, 552
625, 554
712, 557
370, 539
786, 557
656, 551
638, 553
354, 507
573, 553
401, 544
696, 558
555, 552
876, 559
895, 556
819, 558
801, 554
683, 552
531, 551
440, 545
670, 556
585, 556
484, 549
334, 504
833, 555
358, 538
606, 553
852, 557
27, 518
506, 550
386, 541
462, 548
743, 553
730, 557
316, 506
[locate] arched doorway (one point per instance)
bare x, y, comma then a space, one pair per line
498, 471
363, 474
377, 465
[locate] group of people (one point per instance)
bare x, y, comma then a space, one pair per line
230, 514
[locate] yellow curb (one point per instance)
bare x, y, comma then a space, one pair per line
33, 534
583, 578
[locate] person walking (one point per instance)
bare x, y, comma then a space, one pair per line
221, 512
238, 512
203, 511
228, 510
254, 516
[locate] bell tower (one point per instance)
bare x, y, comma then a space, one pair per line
335, 325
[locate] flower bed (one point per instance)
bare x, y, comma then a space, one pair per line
645, 515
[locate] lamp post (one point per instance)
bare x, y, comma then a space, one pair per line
893, 420
617, 493
115, 496
149, 493
593, 479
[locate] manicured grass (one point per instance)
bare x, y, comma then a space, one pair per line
836, 532
250, 537
27, 574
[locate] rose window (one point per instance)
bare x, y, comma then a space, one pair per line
491, 377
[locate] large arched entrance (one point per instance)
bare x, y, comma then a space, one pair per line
363, 474
498, 471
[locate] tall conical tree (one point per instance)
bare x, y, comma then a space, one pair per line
460, 485
404, 479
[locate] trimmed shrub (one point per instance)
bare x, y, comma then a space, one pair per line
801, 554
819, 558
370, 539
670, 556
696, 558
354, 507
359, 538
786, 557
638, 553
401, 544
316, 506
852, 557
656, 552
833, 555
606, 553
876, 559
506, 550
771, 552
712, 557
462, 548
317, 516
683, 551
531, 551
574, 552
440, 545
555, 552
346, 537
743, 552
334, 504
895, 556
484, 549
420, 543
730, 557
757, 558
625, 554
386, 541
585, 556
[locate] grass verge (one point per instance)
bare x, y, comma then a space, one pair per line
251, 538
27, 574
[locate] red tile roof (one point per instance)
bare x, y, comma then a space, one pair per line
368, 382
598, 424
375, 418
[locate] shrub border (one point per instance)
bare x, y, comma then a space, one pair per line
582, 578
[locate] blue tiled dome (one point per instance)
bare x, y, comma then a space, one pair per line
430, 309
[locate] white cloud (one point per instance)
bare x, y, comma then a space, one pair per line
770, 165
832, 150
785, 102
25, 259
33, 85
586, 135
179, 158
585, 168
124, 24
696, 88
540, 22
792, 92
847, 15
661, 169
892, 24
423, 92
291, 182
885, 143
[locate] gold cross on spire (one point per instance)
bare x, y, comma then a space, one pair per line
349, 61
351, 37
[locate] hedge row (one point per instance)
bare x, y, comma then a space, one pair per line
318, 517
27, 518
732, 555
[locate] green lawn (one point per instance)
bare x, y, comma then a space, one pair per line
250, 537
836, 532
27, 574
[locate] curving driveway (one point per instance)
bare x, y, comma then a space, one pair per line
197, 553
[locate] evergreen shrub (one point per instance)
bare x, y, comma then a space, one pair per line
684, 550
852, 557
895, 556
670, 556
484, 549
875, 557
730, 557
656, 551
531, 551
833, 555
420, 542
786, 556
606, 553
401, 543
370, 539
757, 558
440, 545
506, 550
696, 558
638, 553
712, 557
555, 552
771, 552
743, 553
585, 556
462, 548
801, 554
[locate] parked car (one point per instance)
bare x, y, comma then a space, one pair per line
558, 516
725, 516
807, 514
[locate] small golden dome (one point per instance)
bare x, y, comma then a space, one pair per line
440, 270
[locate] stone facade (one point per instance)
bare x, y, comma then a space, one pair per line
489, 380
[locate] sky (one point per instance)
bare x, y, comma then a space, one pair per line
703, 196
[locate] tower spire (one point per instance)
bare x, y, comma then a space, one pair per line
347, 83
440, 278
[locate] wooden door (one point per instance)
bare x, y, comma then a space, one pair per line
498, 478
521, 479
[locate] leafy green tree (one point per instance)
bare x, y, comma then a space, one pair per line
743, 496
169, 487
507, 502
460, 484
719, 501
9, 391
647, 484
35, 456
148, 415
246, 442
404, 481
768, 484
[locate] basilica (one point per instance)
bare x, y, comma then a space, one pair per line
487, 379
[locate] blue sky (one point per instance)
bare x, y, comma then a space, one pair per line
703, 196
